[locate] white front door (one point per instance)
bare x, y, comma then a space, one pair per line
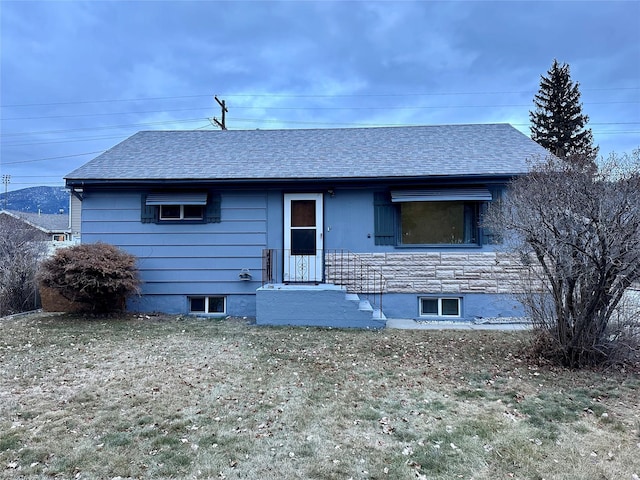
303, 246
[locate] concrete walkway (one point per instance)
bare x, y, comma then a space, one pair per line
410, 324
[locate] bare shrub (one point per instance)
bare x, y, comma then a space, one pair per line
624, 328
578, 235
98, 275
20, 252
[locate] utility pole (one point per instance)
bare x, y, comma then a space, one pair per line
6, 179
223, 107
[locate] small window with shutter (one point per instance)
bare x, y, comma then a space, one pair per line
181, 207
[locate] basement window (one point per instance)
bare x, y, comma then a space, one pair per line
440, 307
208, 305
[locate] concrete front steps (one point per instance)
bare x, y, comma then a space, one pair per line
322, 305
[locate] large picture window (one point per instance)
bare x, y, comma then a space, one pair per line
426, 223
434, 216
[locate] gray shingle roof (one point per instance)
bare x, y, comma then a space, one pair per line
47, 222
364, 153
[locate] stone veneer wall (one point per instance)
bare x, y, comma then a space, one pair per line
447, 272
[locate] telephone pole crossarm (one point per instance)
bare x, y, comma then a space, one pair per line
6, 179
223, 107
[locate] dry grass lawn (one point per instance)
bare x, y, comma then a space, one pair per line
175, 397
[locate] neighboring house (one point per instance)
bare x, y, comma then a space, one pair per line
75, 216
280, 224
51, 229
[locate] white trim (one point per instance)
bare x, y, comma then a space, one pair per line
439, 300
303, 268
181, 217
207, 299
198, 198
474, 194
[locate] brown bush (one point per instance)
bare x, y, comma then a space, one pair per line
98, 275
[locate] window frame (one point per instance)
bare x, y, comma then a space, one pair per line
439, 300
181, 216
207, 305
387, 221
153, 203
473, 208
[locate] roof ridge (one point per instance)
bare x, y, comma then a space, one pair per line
372, 127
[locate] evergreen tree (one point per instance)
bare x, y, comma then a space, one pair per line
558, 123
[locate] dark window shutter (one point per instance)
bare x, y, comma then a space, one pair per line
384, 219
148, 213
488, 236
214, 208
471, 222
485, 232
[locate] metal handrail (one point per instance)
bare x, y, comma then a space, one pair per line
339, 267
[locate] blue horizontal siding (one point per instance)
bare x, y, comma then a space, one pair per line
200, 288
184, 259
124, 216
212, 274
129, 227
98, 215
182, 238
191, 253
177, 263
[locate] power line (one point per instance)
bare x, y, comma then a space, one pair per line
34, 176
618, 132
412, 107
105, 114
415, 94
291, 95
193, 120
52, 158
41, 132
113, 100
85, 139
40, 184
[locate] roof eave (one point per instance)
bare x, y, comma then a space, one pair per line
112, 182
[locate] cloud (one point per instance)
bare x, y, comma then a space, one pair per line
96, 72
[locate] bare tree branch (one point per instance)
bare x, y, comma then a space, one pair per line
582, 228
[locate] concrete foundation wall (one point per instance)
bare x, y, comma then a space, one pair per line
474, 306
318, 305
237, 305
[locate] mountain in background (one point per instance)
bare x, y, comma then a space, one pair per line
34, 199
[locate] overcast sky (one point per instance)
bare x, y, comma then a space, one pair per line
79, 77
